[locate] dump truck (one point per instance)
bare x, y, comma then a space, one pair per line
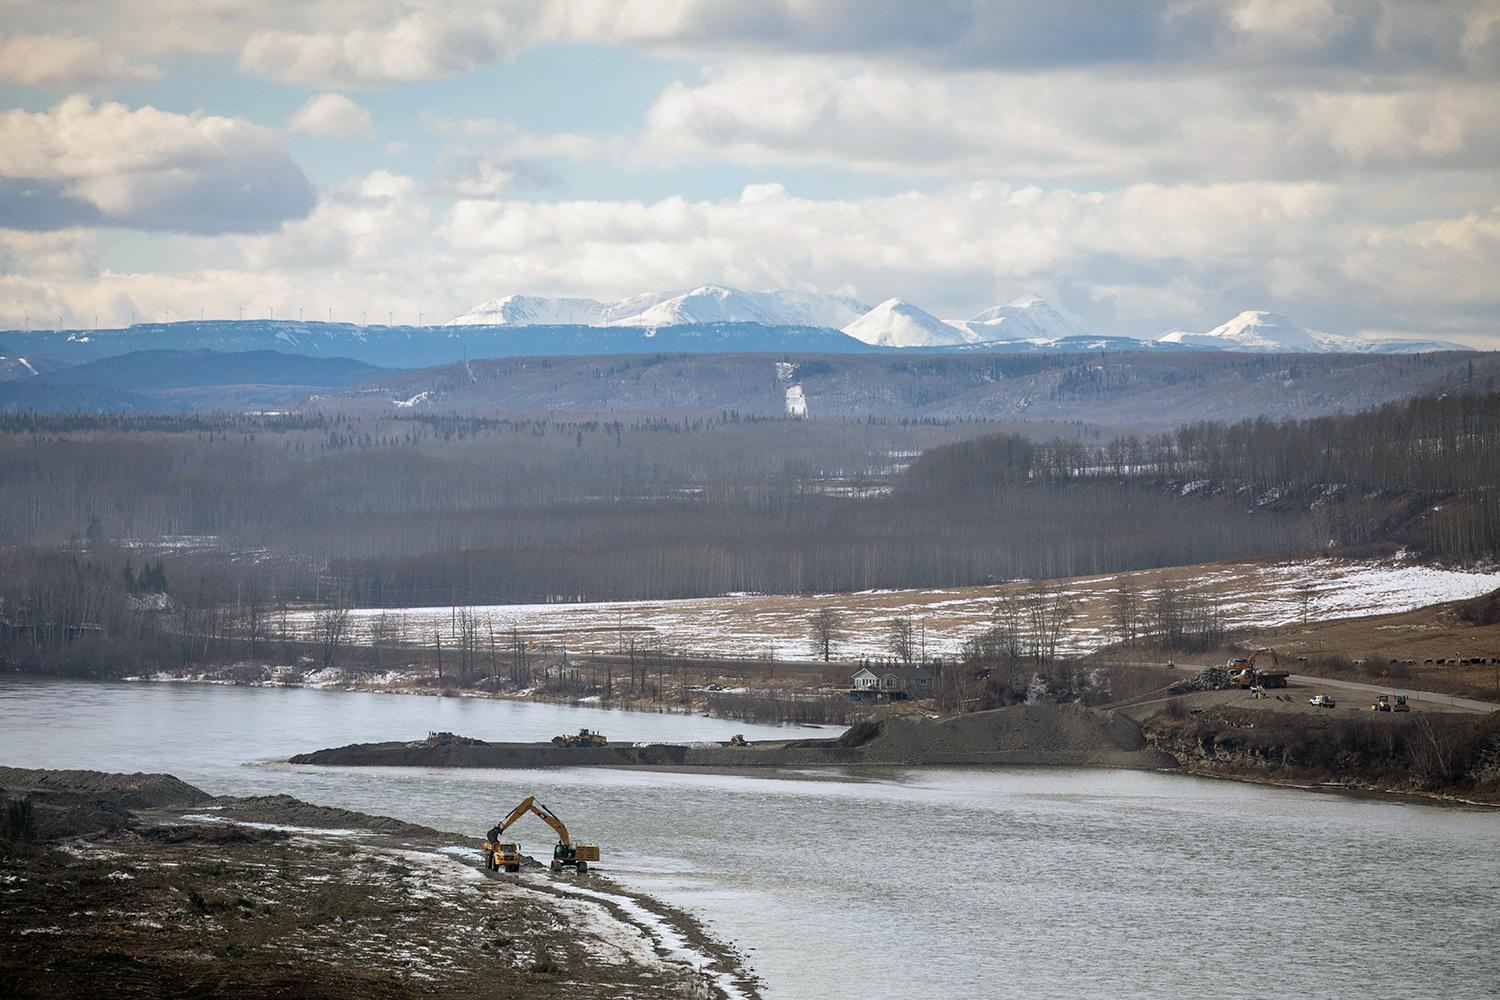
585, 738
506, 854
1247, 672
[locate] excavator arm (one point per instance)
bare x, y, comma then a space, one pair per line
530, 805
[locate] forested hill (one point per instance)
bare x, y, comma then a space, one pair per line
1424, 473
410, 508
1123, 390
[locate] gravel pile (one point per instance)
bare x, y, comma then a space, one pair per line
1209, 679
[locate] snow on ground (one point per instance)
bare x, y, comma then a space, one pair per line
672, 942
751, 625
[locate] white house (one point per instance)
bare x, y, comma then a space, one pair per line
891, 682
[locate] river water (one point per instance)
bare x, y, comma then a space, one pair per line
953, 882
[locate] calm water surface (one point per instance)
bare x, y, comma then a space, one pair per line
906, 883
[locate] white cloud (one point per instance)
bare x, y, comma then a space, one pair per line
1054, 125
65, 62
79, 163
334, 116
1136, 260
424, 45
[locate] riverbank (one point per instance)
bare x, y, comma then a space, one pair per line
1443, 756
143, 885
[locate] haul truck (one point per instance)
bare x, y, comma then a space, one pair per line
1247, 672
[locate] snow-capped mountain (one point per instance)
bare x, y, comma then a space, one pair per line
533, 310
898, 323
1025, 318
1270, 332
705, 304
721, 304
1254, 330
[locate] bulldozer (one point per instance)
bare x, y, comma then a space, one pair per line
1246, 672
1400, 705
738, 740
506, 854
585, 738
1382, 703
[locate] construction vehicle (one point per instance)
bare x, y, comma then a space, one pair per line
1401, 705
507, 854
446, 739
1247, 672
1382, 703
585, 738
738, 741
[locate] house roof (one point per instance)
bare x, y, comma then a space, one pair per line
905, 673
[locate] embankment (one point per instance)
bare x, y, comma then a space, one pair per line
139, 885
1442, 754
1020, 734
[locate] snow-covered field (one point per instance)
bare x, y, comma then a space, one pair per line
1249, 594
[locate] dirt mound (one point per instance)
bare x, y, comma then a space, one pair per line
860, 733
295, 812
44, 806
132, 791
1043, 733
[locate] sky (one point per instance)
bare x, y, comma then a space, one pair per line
1150, 166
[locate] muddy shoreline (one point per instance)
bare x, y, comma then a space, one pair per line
143, 885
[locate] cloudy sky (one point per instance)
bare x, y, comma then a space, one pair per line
1149, 165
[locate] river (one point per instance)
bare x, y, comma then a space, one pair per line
951, 882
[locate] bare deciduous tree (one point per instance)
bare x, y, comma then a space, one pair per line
902, 638
331, 631
825, 631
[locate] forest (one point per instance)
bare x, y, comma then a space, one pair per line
99, 517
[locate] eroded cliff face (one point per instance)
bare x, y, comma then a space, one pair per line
1428, 752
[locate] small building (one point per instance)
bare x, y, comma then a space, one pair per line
890, 683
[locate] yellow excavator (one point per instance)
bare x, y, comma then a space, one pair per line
1246, 673
507, 854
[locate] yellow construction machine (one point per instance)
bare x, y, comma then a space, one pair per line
507, 854
585, 738
1246, 672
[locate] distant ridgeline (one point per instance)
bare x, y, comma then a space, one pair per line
421, 346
